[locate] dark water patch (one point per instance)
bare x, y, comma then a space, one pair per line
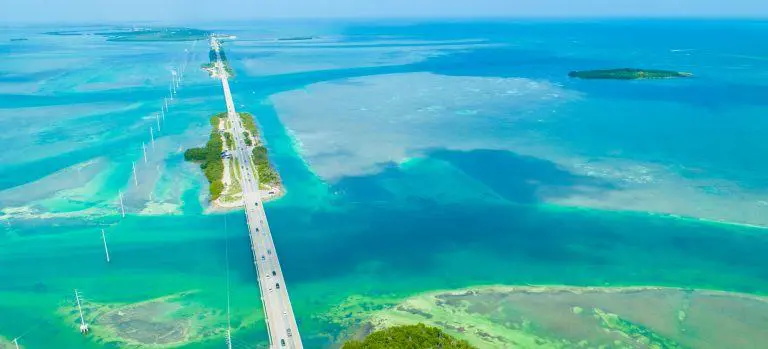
518, 244
520, 178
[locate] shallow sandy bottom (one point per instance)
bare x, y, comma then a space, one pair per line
570, 317
165, 322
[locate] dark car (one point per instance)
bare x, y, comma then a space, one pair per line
277, 285
282, 342
262, 257
289, 332
273, 273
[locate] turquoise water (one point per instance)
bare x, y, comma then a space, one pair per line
448, 217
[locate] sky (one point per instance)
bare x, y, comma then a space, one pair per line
19, 11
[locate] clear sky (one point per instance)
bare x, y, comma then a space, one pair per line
197, 10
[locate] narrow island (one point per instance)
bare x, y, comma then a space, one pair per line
628, 74
297, 38
210, 67
223, 170
19, 39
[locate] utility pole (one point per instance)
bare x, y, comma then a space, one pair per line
83, 325
135, 178
106, 249
122, 208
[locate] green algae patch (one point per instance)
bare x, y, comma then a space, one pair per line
572, 317
6, 343
639, 333
165, 322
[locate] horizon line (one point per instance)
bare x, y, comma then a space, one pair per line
761, 17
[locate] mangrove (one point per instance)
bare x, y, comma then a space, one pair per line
417, 336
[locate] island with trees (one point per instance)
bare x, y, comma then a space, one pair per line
222, 169
210, 67
628, 74
417, 336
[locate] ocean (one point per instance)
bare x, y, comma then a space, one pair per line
417, 156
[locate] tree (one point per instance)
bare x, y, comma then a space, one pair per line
417, 336
195, 154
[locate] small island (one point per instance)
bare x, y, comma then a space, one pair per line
628, 74
19, 39
210, 67
223, 170
408, 336
165, 34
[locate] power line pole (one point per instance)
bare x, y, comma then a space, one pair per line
106, 249
122, 208
83, 325
135, 178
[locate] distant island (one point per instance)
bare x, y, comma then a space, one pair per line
297, 38
19, 39
142, 34
210, 67
628, 74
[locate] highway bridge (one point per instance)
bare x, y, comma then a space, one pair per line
281, 323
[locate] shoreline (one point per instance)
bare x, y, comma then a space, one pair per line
558, 288
493, 316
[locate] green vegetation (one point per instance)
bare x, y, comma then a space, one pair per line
247, 138
212, 62
216, 119
212, 56
228, 138
628, 74
410, 336
264, 169
639, 333
210, 158
249, 123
